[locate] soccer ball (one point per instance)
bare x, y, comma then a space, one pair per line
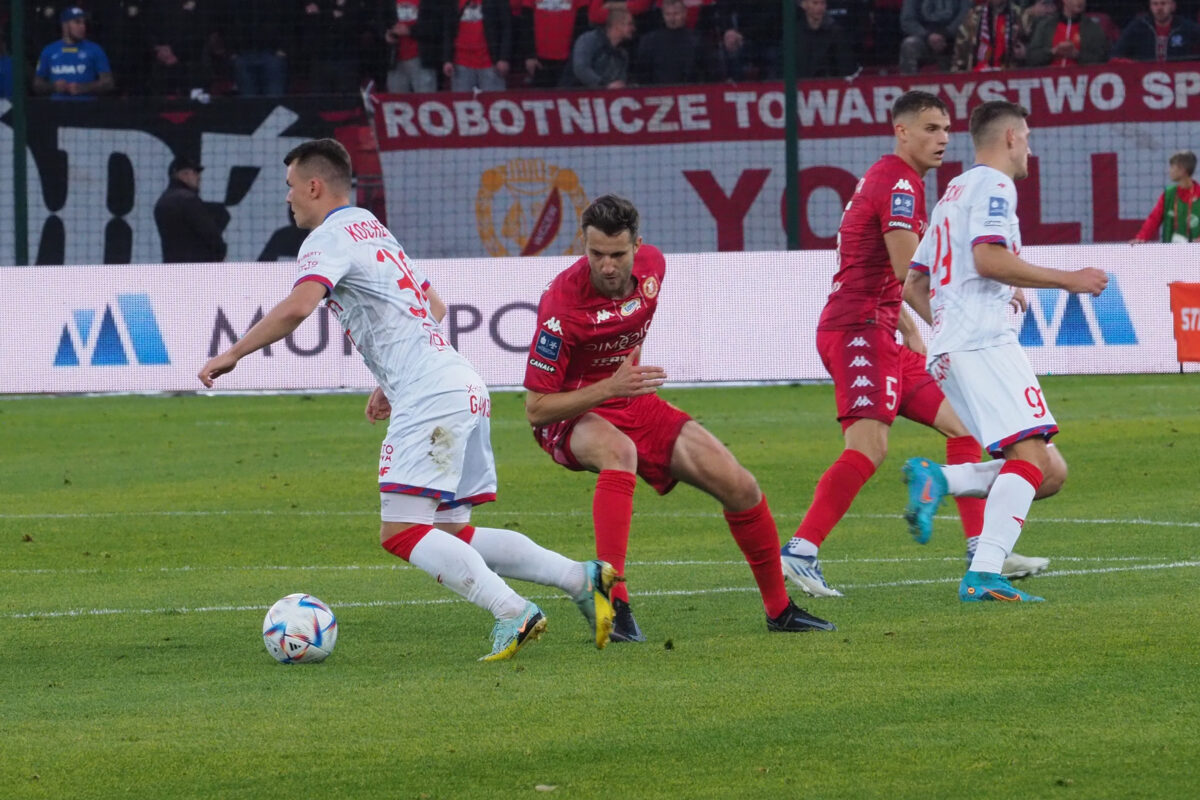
299, 629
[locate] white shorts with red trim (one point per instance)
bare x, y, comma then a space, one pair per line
438, 445
995, 394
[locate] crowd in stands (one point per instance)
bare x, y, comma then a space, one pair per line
199, 48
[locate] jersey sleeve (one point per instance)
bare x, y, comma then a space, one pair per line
922, 260
550, 350
993, 213
321, 260
100, 58
895, 199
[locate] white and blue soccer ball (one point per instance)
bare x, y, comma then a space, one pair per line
300, 629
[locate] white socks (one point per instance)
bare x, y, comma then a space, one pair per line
457, 566
971, 480
1004, 515
515, 555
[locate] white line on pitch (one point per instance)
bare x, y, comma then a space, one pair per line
397, 567
100, 612
267, 512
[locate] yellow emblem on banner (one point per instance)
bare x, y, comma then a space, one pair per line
540, 198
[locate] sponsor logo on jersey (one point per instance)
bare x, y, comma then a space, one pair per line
630, 306
539, 198
861, 382
132, 329
553, 324
650, 287
862, 401
997, 207
604, 314
903, 205
542, 365
548, 345
895, 223
607, 361
625, 341
860, 361
857, 341
1081, 320
903, 185
309, 260
384, 471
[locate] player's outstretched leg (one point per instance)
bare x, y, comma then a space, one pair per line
510, 635
594, 600
795, 619
926, 488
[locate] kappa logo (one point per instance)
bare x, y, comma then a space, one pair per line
553, 324
133, 329
860, 361
604, 314
1058, 320
857, 341
861, 382
862, 401
903, 185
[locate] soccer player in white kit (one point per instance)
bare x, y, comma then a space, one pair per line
436, 460
963, 277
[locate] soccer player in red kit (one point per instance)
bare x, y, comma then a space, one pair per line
875, 378
593, 406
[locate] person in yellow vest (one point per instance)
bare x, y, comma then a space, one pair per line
1176, 216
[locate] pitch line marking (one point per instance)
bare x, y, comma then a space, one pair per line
404, 567
101, 612
268, 512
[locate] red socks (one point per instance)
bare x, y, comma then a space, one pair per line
965, 450
612, 514
402, 543
835, 491
755, 533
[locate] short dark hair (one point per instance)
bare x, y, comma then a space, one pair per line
915, 102
325, 157
610, 215
1185, 159
984, 117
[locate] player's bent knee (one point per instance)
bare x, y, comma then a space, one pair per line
1054, 475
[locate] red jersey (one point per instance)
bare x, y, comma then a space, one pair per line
891, 196
406, 13
583, 336
470, 47
554, 26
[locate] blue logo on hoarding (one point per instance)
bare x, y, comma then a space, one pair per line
1066, 320
106, 346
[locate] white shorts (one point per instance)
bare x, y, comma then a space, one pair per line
437, 455
995, 394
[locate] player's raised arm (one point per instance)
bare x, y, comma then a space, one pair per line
278, 323
630, 380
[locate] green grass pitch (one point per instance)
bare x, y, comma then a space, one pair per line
143, 538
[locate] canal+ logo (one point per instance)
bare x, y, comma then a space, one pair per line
130, 336
1057, 319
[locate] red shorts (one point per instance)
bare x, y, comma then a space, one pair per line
875, 377
650, 422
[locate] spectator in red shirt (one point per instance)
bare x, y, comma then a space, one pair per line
1067, 39
416, 35
546, 30
478, 45
1176, 216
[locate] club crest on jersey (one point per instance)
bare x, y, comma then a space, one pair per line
903, 185
604, 314
650, 287
997, 207
553, 325
629, 306
903, 205
548, 346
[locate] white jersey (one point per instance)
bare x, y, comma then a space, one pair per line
378, 297
969, 311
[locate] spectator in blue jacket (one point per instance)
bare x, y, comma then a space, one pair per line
73, 67
1160, 35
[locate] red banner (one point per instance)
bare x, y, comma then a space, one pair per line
1185, 309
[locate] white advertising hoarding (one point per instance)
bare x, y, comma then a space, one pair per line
723, 317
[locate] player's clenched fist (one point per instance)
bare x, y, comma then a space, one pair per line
1088, 280
632, 379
